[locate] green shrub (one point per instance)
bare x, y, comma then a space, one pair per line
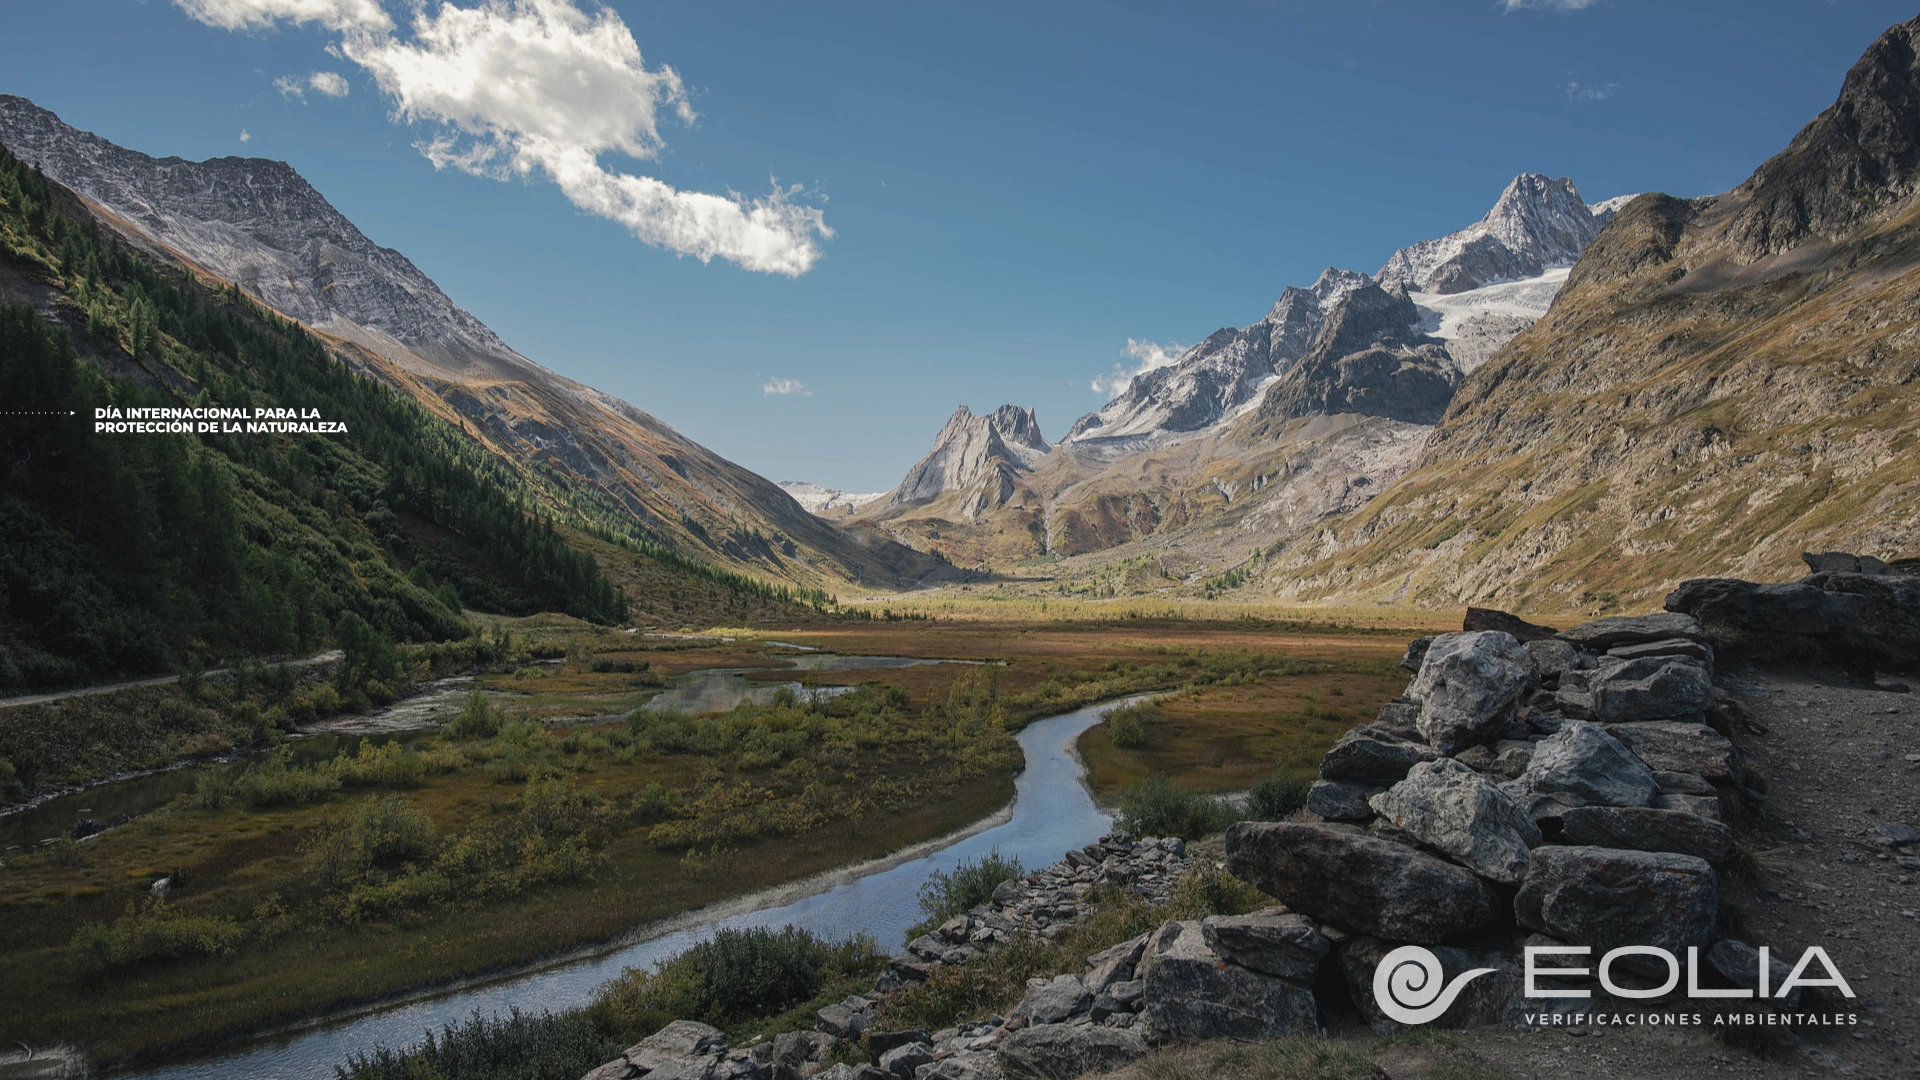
277, 781
1155, 807
211, 790
971, 884
388, 765
154, 932
1277, 798
519, 1046
477, 718
384, 831
1127, 725
735, 975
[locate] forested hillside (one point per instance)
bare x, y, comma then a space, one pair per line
130, 553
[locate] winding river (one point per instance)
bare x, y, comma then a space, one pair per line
1051, 812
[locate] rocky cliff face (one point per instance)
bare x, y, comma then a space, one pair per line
1369, 358
1539, 223
982, 455
1723, 383
1222, 373
258, 224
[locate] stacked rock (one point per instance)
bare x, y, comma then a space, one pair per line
1569, 787
1044, 902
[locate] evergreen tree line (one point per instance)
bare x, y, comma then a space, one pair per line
126, 554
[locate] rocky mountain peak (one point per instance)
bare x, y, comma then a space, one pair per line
1857, 158
1537, 223
968, 448
260, 224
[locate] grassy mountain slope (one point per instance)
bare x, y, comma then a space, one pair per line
130, 553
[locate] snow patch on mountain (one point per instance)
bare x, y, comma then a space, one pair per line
1538, 224
827, 502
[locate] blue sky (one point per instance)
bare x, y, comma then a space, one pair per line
1014, 191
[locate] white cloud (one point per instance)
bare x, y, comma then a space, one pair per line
1147, 356
330, 83
359, 15
1548, 5
1579, 91
780, 386
523, 88
246, 136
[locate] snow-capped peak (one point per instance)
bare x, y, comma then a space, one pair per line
1538, 223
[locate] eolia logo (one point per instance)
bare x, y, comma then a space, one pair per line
1410, 985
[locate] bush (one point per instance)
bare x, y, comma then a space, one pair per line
735, 975
1127, 725
155, 932
544, 1046
970, 885
388, 765
477, 718
211, 790
384, 831
1157, 808
276, 781
1277, 798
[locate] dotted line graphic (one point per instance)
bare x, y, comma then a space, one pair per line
10, 412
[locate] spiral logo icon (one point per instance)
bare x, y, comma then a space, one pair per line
1410, 987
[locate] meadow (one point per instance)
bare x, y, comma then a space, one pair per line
553, 815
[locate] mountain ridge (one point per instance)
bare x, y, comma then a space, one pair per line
261, 226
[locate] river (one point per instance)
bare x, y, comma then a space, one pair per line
1051, 812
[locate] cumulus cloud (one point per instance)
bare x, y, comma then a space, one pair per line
526, 88
779, 386
1547, 5
330, 83
1579, 91
290, 88
246, 136
1146, 355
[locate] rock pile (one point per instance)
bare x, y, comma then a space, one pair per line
1560, 790
1852, 610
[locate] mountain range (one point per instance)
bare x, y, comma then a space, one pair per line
1561, 406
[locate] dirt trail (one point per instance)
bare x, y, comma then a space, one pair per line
159, 680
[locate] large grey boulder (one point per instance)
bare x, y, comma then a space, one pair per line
675, 1043
1114, 965
1548, 659
1057, 1001
1062, 1052
1468, 687
1643, 828
1649, 688
967, 1065
1359, 883
1583, 765
1603, 634
1337, 800
1371, 756
1487, 999
1667, 746
1798, 622
1606, 898
1190, 993
1449, 807
1287, 946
